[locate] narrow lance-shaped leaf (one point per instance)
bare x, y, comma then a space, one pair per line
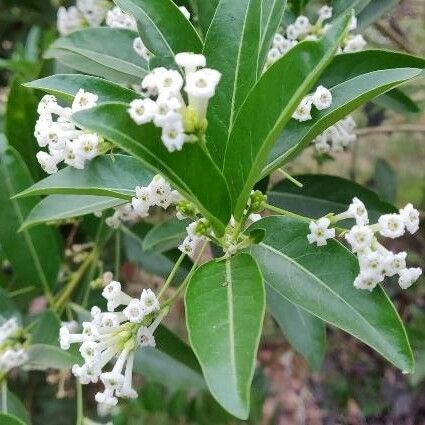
206, 10
232, 46
225, 304
105, 52
346, 97
305, 332
320, 280
34, 254
163, 28
398, 101
322, 194
66, 86
191, 170
113, 176
271, 103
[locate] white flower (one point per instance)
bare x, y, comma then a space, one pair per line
320, 232
173, 136
185, 12
190, 62
72, 157
292, 32
353, 24
66, 338
303, 112
410, 217
135, 311
394, 263
116, 18
141, 49
149, 301
356, 210
161, 192
94, 11
86, 145
169, 83
188, 246
373, 262
145, 338
90, 352
302, 24
47, 162
366, 280
325, 12
126, 391
83, 100
167, 111
355, 44
359, 237
408, 277
322, 98
115, 296
69, 20
273, 55
142, 111
391, 226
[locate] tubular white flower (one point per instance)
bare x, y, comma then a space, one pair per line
161, 192
87, 145
325, 12
303, 112
47, 162
302, 25
190, 62
135, 311
149, 301
359, 237
94, 11
408, 277
116, 18
126, 391
356, 210
322, 98
173, 136
142, 111
169, 83
167, 111
83, 100
320, 232
391, 226
366, 280
72, 157
140, 48
410, 217
69, 20
355, 44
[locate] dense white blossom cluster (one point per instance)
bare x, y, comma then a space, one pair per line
376, 262
165, 107
338, 137
157, 194
114, 336
321, 99
303, 30
56, 131
12, 349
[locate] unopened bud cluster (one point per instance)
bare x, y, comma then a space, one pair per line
13, 351
376, 262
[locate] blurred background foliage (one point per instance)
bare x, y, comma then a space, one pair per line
354, 385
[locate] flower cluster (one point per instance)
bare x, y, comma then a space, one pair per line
157, 194
376, 262
84, 13
165, 107
321, 99
64, 141
114, 335
338, 137
12, 346
303, 30
233, 240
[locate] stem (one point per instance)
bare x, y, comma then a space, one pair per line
4, 396
393, 36
188, 277
289, 177
75, 280
171, 275
117, 254
405, 128
287, 213
80, 413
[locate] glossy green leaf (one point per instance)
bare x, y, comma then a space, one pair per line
385, 180
34, 254
232, 46
63, 207
398, 101
320, 280
191, 170
43, 357
66, 86
346, 97
323, 194
16, 408
113, 176
163, 28
166, 235
272, 103
6, 419
46, 329
225, 303
21, 116
305, 332
104, 52
373, 11
206, 10
171, 363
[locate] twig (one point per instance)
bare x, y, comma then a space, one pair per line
405, 128
394, 37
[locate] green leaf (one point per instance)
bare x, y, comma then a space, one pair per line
6, 419
385, 180
21, 116
305, 332
104, 52
34, 254
164, 30
43, 356
159, 264
191, 170
166, 235
171, 363
66, 86
323, 194
62, 207
320, 280
225, 303
373, 11
15, 408
115, 177
232, 46
341, 6
272, 103
206, 10
398, 101
46, 329
346, 97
